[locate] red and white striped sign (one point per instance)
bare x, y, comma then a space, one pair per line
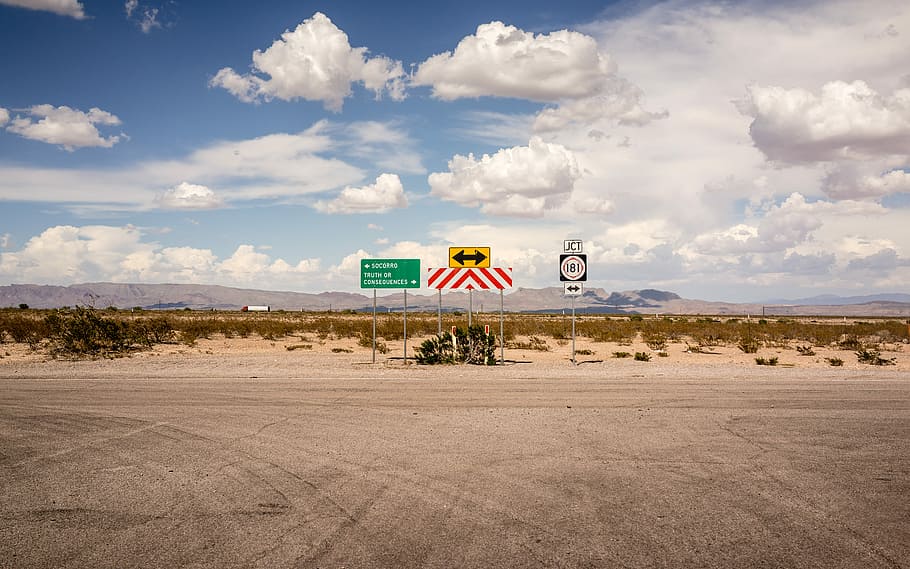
470, 278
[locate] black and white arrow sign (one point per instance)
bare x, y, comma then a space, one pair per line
573, 289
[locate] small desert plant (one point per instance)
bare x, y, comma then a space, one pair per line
805, 350
342, 351
584, 352
436, 350
836, 362
293, 347
748, 345
873, 357
642, 357
533, 343
657, 342
772, 361
663, 355
621, 355
475, 346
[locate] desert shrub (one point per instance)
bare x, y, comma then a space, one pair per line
873, 357
534, 343
850, 342
150, 331
22, 329
584, 352
342, 351
748, 345
805, 350
836, 362
663, 355
84, 332
656, 341
366, 341
436, 350
192, 330
772, 361
621, 355
471, 346
642, 357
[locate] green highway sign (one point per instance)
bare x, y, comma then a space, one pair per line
390, 273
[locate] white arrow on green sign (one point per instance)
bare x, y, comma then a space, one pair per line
390, 273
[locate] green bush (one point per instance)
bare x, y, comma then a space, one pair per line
772, 361
84, 332
436, 350
22, 329
642, 357
471, 346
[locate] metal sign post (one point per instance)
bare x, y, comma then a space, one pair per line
573, 331
374, 325
502, 339
405, 327
470, 306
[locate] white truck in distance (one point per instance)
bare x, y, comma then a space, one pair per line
256, 309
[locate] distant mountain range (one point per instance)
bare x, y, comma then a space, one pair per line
543, 300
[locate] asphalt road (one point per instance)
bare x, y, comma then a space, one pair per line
778, 471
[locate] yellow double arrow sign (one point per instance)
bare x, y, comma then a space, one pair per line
474, 257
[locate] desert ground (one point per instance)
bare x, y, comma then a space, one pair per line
267, 453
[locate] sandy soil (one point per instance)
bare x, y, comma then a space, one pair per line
245, 453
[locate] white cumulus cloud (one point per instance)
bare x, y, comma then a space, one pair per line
504, 61
71, 8
387, 193
314, 62
522, 181
189, 196
4, 116
564, 67
69, 128
843, 121
69, 254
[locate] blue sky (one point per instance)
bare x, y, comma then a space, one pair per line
728, 151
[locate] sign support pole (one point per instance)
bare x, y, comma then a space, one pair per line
405, 327
573, 331
502, 338
374, 325
439, 313
470, 305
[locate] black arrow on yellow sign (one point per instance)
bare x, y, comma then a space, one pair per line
479, 257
